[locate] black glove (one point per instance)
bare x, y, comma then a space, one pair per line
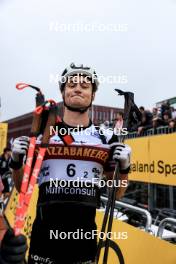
13, 248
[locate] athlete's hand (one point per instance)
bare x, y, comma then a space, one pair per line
19, 147
13, 248
19, 150
122, 154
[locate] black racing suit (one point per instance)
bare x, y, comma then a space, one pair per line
60, 213
65, 218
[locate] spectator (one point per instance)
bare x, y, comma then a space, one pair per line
146, 122
171, 121
105, 125
165, 108
155, 113
166, 118
156, 121
173, 113
172, 124
119, 121
4, 169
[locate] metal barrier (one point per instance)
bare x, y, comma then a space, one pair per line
151, 132
162, 225
135, 209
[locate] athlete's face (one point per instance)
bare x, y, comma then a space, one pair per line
78, 91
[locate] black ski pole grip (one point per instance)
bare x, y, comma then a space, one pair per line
50, 122
40, 99
36, 123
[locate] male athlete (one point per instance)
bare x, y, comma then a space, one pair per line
68, 181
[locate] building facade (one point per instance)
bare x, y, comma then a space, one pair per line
21, 125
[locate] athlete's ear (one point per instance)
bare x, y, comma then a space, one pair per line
93, 96
63, 93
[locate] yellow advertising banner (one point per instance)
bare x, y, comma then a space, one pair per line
154, 159
129, 245
134, 246
3, 136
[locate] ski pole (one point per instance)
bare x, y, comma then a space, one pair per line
30, 178
133, 115
109, 212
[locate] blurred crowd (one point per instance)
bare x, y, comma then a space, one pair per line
158, 117
163, 116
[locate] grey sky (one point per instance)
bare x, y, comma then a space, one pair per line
31, 49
